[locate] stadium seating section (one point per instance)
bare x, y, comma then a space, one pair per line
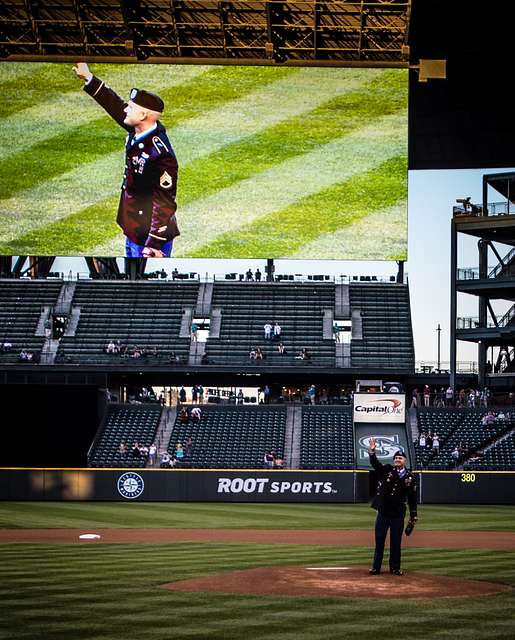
327, 440
387, 335
232, 437
501, 456
20, 310
148, 314
127, 424
247, 307
456, 428
145, 314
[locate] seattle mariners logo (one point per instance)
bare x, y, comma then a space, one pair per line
130, 485
386, 446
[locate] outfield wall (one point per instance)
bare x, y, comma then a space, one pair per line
219, 485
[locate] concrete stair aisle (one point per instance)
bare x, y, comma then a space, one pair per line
292, 436
163, 433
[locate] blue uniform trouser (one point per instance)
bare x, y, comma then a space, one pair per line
133, 250
396, 526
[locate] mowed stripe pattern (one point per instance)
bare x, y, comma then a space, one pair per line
259, 149
113, 591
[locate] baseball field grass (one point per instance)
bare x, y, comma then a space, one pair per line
274, 162
112, 591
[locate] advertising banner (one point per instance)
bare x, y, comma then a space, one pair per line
379, 408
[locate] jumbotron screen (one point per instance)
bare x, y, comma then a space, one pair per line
292, 162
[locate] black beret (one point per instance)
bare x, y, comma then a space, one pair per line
147, 100
399, 453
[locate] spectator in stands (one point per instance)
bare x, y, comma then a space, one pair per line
440, 398
179, 452
449, 396
427, 395
152, 453
257, 275
196, 414
175, 274
266, 394
6, 346
165, 460
189, 446
268, 460
485, 395
267, 328
252, 354
303, 354
312, 393
248, 276
137, 352
204, 359
194, 331
122, 449
472, 399
429, 440
240, 397
194, 394
455, 454
135, 451
184, 416
182, 395
111, 347
277, 331
144, 452
259, 354
422, 440
436, 444
336, 332
278, 463
281, 348
201, 394
462, 398
324, 398
414, 399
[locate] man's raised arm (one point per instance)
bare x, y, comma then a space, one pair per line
372, 455
101, 93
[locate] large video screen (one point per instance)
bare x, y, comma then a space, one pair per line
307, 163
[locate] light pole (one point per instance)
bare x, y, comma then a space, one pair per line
438, 331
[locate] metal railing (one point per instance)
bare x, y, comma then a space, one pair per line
473, 322
431, 366
507, 267
475, 209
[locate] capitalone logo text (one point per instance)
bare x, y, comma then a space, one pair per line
387, 406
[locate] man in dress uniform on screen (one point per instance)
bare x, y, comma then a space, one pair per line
395, 485
146, 212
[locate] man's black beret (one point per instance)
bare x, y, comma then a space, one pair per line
147, 100
399, 453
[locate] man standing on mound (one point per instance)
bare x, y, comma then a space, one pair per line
395, 485
146, 212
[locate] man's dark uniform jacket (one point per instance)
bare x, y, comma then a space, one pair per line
146, 212
392, 491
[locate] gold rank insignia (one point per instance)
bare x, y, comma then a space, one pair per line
165, 180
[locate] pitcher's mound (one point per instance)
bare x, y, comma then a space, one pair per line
339, 582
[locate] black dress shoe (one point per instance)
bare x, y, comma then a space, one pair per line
396, 572
374, 572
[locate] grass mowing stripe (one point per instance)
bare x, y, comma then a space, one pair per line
378, 235
102, 607
283, 231
90, 515
211, 133
66, 142
281, 186
55, 117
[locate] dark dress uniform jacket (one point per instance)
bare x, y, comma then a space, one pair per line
146, 212
392, 491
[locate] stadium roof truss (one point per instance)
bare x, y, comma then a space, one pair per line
336, 33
